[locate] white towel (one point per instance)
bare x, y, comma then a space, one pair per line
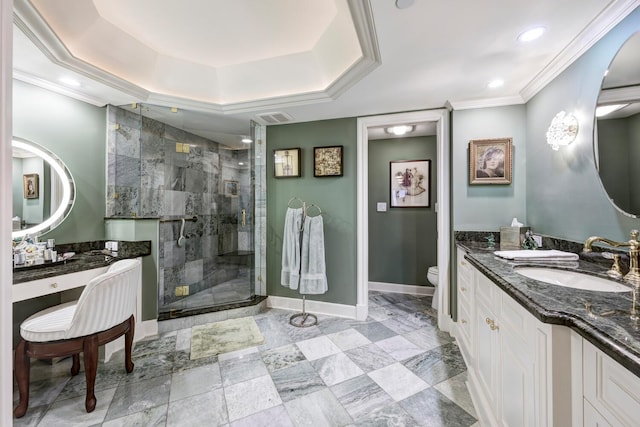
537, 255
313, 278
290, 274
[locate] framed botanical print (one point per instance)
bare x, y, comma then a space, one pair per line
409, 181
327, 161
30, 186
287, 163
490, 161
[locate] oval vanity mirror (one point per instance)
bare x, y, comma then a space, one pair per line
617, 129
43, 189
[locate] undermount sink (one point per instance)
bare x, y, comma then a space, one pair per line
572, 279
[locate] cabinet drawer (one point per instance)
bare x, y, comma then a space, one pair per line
487, 291
612, 390
465, 332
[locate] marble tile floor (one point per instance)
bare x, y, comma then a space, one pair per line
394, 369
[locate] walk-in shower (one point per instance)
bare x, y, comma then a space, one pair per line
202, 194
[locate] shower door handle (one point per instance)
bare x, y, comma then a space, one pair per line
244, 217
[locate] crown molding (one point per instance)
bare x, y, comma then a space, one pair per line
485, 103
31, 23
608, 18
62, 90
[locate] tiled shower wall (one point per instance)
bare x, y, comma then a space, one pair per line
150, 174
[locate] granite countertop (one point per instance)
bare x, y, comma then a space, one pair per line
87, 257
602, 318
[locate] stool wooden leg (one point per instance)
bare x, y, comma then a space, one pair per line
128, 344
75, 367
90, 352
22, 371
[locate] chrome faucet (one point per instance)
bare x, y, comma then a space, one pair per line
633, 276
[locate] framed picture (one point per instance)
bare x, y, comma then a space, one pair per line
30, 186
490, 161
327, 161
230, 188
287, 163
409, 183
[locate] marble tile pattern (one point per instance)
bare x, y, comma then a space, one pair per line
291, 380
160, 171
607, 323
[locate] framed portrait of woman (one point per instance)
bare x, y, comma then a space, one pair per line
30, 186
490, 161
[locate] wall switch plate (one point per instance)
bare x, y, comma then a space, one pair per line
381, 206
178, 147
185, 290
537, 239
178, 291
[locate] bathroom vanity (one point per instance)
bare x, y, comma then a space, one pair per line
545, 355
87, 263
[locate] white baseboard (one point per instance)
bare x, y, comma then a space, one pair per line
401, 289
311, 306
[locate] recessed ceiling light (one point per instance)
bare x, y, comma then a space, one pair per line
241, 163
531, 34
603, 110
495, 83
247, 140
404, 4
69, 81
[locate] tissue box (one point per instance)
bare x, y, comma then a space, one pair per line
512, 237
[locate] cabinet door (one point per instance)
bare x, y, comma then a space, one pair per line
592, 418
516, 378
487, 352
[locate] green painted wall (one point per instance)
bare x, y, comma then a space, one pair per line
487, 207
564, 194
402, 241
76, 132
336, 196
141, 229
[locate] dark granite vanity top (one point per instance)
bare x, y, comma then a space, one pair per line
602, 318
87, 257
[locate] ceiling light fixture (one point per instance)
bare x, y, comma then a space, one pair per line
495, 83
603, 110
531, 34
400, 129
69, 81
562, 131
404, 4
247, 140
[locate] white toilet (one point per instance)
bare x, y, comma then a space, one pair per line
432, 277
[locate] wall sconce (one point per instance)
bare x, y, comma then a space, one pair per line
562, 131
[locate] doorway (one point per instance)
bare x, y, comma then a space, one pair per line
439, 118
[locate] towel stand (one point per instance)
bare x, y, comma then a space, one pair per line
299, 320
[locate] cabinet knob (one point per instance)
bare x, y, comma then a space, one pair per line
463, 321
54, 285
492, 324
463, 262
463, 289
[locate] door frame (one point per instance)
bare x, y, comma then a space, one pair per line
441, 119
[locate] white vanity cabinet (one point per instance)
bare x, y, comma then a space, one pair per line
507, 375
465, 304
611, 393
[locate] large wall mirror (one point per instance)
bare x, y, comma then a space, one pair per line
43, 189
617, 129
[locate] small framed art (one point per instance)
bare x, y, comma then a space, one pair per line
409, 183
490, 161
327, 161
30, 186
230, 188
287, 163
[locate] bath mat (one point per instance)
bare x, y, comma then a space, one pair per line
222, 337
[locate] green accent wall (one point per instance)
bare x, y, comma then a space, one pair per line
564, 194
336, 196
402, 241
489, 206
76, 132
137, 230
